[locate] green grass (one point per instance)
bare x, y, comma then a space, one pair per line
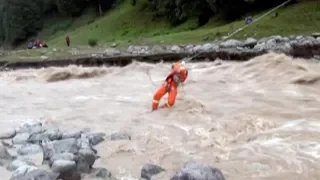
132, 25
129, 24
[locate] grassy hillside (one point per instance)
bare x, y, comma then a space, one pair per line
128, 24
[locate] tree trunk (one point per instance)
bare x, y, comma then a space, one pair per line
100, 10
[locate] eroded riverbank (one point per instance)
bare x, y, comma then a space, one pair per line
303, 47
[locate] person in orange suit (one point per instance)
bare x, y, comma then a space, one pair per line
178, 75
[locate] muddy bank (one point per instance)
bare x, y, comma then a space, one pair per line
301, 46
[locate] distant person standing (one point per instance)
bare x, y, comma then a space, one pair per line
68, 41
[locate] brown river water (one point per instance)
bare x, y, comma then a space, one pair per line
255, 120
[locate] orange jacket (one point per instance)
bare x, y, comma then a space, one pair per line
178, 75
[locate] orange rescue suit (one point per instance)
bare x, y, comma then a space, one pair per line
178, 75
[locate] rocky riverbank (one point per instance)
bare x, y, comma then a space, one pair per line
296, 46
33, 151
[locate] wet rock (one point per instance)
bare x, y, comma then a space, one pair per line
53, 134
63, 156
5, 157
95, 138
209, 47
83, 166
31, 127
21, 138
10, 133
6, 144
38, 138
86, 159
60, 146
68, 135
30, 173
197, 171
157, 49
14, 165
176, 48
231, 43
29, 149
120, 136
250, 42
61, 166
102, 173
150, 170
84, 143
73, 175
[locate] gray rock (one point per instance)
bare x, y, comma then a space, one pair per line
63, 156
83, 166
74, 175
197, 171
10, 133
31, 127
176, 49
197, 49
102, 173
285, 39
30, 173
61, 166
150, 170
4, 154
157, 49
95, 138
14, 165
209, 47
60, 146
250, 42
84, 143
86, 159
53, 134
5, 157
231, 43
29, 149
189, 48
21, 138
120, 136
38, 138
68, 135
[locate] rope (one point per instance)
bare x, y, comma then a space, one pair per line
232, 34
226, 37
242, 28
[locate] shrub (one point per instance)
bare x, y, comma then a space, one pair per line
92, 42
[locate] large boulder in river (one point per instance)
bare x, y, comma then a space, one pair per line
60, 146
149, 170
197, 171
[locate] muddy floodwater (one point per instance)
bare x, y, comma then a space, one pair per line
254, 120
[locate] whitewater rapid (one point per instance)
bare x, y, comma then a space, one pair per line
258, 119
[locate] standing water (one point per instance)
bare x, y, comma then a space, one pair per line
258, 119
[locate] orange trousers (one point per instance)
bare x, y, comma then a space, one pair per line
172, 94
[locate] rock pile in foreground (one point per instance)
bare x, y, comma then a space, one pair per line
33, 152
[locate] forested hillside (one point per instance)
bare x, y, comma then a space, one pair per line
22, 19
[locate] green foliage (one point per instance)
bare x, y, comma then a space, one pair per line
20, 19
71, 7
179, 11
92, 42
